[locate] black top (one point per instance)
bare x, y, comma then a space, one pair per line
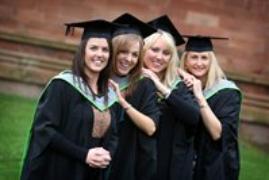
200, 43
177, 128
61, 136
220, 159
135, 158
133, 25
94, 28
164, 23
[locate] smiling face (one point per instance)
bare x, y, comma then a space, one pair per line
198, 63
96, 55
157, 57
127, 58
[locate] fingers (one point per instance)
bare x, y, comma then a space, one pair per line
98, 158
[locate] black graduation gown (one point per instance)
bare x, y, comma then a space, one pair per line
61, 136
178, 121
135, 158
219, 160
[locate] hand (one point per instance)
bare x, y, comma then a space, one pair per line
116, 88
148, 73
189, 80
122, 101
98, 157
182, 73
197, 88
159, 85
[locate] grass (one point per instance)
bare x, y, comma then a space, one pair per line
15, 119
16, 114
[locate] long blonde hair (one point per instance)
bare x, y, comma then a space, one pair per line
215, 73
123, 42
170, 74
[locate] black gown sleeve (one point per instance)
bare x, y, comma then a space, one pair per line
47, 125
227, 111
183, 104
111, 140
146, 158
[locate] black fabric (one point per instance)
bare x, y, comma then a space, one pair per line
133, 25
61, 136
94, 28
164, 23
219, 160
135, 158
178, 121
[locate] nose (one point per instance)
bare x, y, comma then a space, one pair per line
100, 52
129, 57
199, 62
159, 55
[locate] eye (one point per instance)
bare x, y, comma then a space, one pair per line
123, 52
155, 49
166, 53
93, 48
204, 57
193, 56
135, 55
105, 49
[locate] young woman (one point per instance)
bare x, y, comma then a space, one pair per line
135, 158
179, 111
219, 100
73, 134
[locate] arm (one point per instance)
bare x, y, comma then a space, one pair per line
141, 120
211, 122
183, 104
47, 126
180, 99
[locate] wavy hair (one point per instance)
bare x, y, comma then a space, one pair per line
170, 73
121, 43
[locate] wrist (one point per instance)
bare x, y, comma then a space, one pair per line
202, 103
127, 107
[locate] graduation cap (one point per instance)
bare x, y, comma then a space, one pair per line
201, 43
133, 26
165, 24
95, 28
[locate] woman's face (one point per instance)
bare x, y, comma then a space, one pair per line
157, 57
96, 55
197, 63
127, 59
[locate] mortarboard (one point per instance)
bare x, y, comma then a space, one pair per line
93, 28
133, 26
201, 43
165, 24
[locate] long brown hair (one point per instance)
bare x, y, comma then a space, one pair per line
78, 66
122, 42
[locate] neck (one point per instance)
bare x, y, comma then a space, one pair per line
92, 81
203, 81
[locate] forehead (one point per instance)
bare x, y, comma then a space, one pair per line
94, 40
204, 53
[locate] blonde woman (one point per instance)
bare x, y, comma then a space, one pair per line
179, 111
219, 100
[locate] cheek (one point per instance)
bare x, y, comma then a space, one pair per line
135, 61
146, 59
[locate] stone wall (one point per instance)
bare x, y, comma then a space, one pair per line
33, 47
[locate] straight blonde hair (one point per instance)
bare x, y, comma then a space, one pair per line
215, 73
170, 73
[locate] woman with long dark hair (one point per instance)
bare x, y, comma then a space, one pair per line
73, 135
